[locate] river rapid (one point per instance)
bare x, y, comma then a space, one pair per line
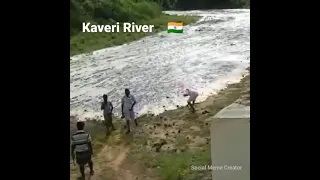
206, 57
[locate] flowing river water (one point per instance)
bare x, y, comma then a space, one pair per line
206, 57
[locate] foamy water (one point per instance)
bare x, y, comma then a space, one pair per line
208, 55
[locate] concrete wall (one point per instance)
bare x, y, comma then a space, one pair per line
230, 144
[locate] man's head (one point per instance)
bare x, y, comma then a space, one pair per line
80, 125
127, 92
105, 97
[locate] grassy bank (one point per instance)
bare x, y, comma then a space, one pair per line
85, 42
164, 147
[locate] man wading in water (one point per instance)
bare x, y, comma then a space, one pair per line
107, 108
127, 103
81, 144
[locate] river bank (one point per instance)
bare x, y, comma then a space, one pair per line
164, 146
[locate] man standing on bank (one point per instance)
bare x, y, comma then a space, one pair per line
107, 108
81, 144
127, 103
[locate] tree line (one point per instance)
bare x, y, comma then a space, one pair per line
102, 11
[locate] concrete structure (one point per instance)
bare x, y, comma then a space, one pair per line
230, 143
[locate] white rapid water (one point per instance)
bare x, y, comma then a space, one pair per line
208, 55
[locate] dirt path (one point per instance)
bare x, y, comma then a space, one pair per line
110, 163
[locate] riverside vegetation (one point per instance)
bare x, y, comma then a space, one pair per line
139, 11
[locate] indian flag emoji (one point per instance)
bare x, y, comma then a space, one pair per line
174, 27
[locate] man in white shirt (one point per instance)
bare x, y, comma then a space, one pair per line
127, 103
192, 98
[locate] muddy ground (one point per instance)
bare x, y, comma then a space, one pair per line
162, 147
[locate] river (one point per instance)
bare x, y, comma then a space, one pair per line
206, 57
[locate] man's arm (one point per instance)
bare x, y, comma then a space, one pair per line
122, 103
102, 106
111, 106
186, 93
134, 102
90, 144
73, 146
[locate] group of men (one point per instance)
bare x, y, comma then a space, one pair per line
127, 103
81, 147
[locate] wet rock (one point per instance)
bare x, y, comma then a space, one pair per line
205, 112
174, 150
158, 149
158, 144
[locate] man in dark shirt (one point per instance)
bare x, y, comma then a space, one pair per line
81, 145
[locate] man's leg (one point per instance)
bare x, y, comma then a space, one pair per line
128, 126
91, 167
82, 170
127, 118
111, 123
191, 106
132, 116
106, 119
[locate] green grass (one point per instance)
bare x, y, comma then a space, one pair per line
88, 42
178, 165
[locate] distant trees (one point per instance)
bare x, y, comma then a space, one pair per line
131, 10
